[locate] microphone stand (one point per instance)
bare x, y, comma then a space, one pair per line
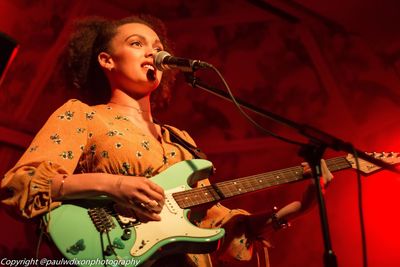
311, 152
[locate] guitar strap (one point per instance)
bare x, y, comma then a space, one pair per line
195, 151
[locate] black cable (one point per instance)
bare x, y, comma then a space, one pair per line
361, 211
39, 242
111, 244
284, 139
359, 181
102, 246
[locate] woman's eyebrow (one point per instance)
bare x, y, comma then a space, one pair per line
135, 35
157, 41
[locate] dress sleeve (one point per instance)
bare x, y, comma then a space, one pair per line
238, 245
56, 149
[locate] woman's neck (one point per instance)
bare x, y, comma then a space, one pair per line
138, 108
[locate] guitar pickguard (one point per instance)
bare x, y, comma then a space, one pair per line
174, 226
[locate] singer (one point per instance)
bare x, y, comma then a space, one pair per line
108, 147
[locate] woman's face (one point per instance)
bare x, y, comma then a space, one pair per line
132, 51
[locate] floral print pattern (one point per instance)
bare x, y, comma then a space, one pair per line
82, 138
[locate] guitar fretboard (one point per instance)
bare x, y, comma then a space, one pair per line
227, 189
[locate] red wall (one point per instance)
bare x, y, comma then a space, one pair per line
313, 74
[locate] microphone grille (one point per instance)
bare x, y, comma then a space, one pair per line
159, 58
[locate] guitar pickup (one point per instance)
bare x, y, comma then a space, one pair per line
170, 202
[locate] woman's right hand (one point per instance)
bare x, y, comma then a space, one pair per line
142, 195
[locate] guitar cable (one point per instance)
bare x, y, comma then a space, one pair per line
102, 247
110, 244
39, 243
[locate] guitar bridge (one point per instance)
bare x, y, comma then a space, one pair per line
101, 219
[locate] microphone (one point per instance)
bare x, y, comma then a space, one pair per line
164, 61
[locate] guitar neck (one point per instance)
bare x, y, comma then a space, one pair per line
239, 186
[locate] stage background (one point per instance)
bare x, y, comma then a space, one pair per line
335, 66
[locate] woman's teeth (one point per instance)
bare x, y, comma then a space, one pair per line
147, 66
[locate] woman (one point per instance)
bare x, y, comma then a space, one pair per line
112, 149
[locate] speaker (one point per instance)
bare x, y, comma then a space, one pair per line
8, 51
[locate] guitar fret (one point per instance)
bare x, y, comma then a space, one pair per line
196, 196
227, 190
243, 185
258, 183
255, 183
339, 163
278, 178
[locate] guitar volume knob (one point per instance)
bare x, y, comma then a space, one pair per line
126, 234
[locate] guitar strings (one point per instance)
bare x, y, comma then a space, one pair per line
249, 183
267, 177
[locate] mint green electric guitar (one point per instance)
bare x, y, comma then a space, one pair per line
99, 230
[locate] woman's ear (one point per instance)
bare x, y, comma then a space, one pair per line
105, 61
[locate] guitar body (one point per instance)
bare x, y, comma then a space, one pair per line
73, 228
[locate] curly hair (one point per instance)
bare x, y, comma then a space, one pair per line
92, 36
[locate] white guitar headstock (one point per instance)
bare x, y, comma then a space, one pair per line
367, 167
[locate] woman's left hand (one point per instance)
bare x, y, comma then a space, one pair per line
265, 221
327, 176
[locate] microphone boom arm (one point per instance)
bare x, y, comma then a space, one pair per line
312, 153
316, 136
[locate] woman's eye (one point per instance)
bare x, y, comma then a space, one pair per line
136, 43
158, 49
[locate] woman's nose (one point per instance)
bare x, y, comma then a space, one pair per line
150, 52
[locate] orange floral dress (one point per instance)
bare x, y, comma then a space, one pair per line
78, 138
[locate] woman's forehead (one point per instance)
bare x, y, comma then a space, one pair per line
136, 29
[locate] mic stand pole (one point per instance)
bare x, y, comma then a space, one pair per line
312, 153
